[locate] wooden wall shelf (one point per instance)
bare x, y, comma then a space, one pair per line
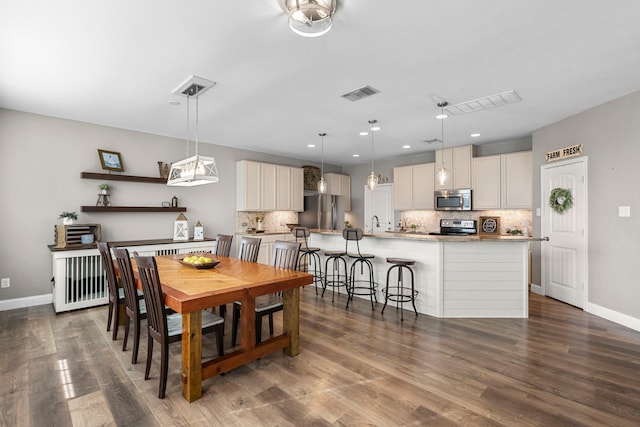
130, 209
113, 177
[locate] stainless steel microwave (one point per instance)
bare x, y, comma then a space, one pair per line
452, 200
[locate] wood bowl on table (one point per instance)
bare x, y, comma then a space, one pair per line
199, 264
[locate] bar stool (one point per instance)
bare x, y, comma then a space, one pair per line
335, 279
400, 293
359, 286
309, 256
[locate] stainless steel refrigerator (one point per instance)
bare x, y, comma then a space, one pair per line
323, 211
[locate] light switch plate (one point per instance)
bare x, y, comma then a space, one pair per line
624, 211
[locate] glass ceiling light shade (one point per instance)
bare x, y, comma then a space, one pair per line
310, 18
372, 179
443, 173
196, 170
322, 184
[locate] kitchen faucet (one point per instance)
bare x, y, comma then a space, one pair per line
377, 222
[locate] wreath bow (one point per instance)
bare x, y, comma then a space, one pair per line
560, 199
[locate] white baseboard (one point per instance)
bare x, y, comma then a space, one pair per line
12, 304
614, 316
536, 289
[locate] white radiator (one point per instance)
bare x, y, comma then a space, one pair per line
79, 280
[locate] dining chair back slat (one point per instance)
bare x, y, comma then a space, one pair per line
223, 244
285, 254
249, 248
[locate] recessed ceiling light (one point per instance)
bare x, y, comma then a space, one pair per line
375, 128
441, 116
311, 145
406, 146
356, 155
364, 133
474, 135
174, 102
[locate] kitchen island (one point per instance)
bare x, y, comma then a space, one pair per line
456, 276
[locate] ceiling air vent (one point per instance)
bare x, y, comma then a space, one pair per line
484, 103
361, 93
433, 141
193, 85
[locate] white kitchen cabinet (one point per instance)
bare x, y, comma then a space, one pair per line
297, 189
413, 187
503, 181
517, 180
248, 186
486, 182
268, 187
339, 185
289, 190
458, 161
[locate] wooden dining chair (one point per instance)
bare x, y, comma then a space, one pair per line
116, 294
249, 248
223, 244
165, 328
285, 255
135, 309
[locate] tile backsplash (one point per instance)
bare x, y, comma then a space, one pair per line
428, 221
273, 221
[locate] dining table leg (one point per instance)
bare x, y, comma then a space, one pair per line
291, 320
192, 355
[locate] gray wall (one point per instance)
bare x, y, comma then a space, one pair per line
610, 134
42, 158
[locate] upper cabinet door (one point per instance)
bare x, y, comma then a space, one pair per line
248, 179
423, 186
283, 188
268, 187
403, 188
461, 159
517, 180
486, 182
297, 189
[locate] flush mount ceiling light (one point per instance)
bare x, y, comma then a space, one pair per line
196, 170
310, 18
372, 179
443, 173
322, 184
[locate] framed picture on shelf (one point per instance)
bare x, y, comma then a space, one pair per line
489, 226
110, 160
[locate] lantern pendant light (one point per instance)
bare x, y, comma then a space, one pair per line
372, 179
322, 184
443, 173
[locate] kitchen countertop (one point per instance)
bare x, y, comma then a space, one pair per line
429, 237
266, 232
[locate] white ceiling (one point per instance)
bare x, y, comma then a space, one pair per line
116, 63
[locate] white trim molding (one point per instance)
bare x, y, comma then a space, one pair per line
12, 304
614, 316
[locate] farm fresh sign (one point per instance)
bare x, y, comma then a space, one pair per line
563, 153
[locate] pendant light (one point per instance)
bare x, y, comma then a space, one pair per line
443, 173
372, 179
196, 170
322, 184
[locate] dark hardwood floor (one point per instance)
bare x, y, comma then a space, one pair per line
560, 367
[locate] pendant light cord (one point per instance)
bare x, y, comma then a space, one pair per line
197, 115
372, 122
188, 127
322, 135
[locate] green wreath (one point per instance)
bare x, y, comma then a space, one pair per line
560, 200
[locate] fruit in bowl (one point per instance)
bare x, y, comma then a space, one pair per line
197, 260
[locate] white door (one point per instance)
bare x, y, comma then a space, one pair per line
378, 208
564, 256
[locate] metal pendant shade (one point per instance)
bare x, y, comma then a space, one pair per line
195, 170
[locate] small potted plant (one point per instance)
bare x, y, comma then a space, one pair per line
104, 188
414, 228
68, 217
347, 224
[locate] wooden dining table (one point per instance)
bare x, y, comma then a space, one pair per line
189, 290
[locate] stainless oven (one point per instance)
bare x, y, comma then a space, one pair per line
452, 200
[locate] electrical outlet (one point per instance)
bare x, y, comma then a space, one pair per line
5, 283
